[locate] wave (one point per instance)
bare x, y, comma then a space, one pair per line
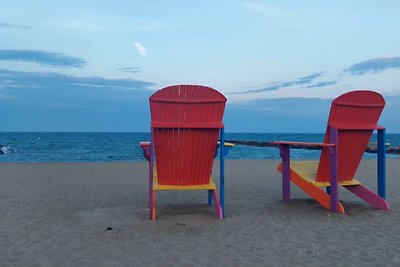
7, 149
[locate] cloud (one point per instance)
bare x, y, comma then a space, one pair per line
38, 101
34, 80
300, 81
130, 69
374, 65
322, 84
17, 26
140, 49
311, 77
42, 57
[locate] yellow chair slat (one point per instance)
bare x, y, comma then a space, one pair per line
307, 170
156, 186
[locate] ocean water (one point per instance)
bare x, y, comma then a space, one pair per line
109, 147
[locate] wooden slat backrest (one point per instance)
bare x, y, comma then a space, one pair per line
355, 115
185, 121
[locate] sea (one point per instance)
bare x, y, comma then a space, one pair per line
112, 147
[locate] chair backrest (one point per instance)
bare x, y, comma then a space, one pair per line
355, 115
185, 122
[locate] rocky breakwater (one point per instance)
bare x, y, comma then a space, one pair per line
371, 148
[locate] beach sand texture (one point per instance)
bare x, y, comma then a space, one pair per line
57, 214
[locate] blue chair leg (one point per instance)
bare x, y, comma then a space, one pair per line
381, 164
222, 172
328, 190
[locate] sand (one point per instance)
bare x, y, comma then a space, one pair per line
95, 214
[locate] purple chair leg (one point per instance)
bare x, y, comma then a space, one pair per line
285, 155
334, 188
146, 152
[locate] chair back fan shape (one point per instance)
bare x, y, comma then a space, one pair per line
185, 123
355, 115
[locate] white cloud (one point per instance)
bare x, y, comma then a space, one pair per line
140, 49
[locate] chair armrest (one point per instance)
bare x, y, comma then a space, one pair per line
144, 144
358, 127
146, 147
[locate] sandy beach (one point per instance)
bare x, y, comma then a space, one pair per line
95, 214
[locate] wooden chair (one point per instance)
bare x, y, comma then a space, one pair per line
352, 120
186, 121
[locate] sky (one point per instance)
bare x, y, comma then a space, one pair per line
92, 65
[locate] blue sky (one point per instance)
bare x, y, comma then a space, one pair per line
91, 65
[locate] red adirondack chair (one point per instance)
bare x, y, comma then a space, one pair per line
352, 120
185, 123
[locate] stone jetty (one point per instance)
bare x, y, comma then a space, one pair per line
371, 148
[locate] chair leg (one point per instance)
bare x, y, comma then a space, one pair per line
210, 193
368, 196
217, 205
284, 168
153, 205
